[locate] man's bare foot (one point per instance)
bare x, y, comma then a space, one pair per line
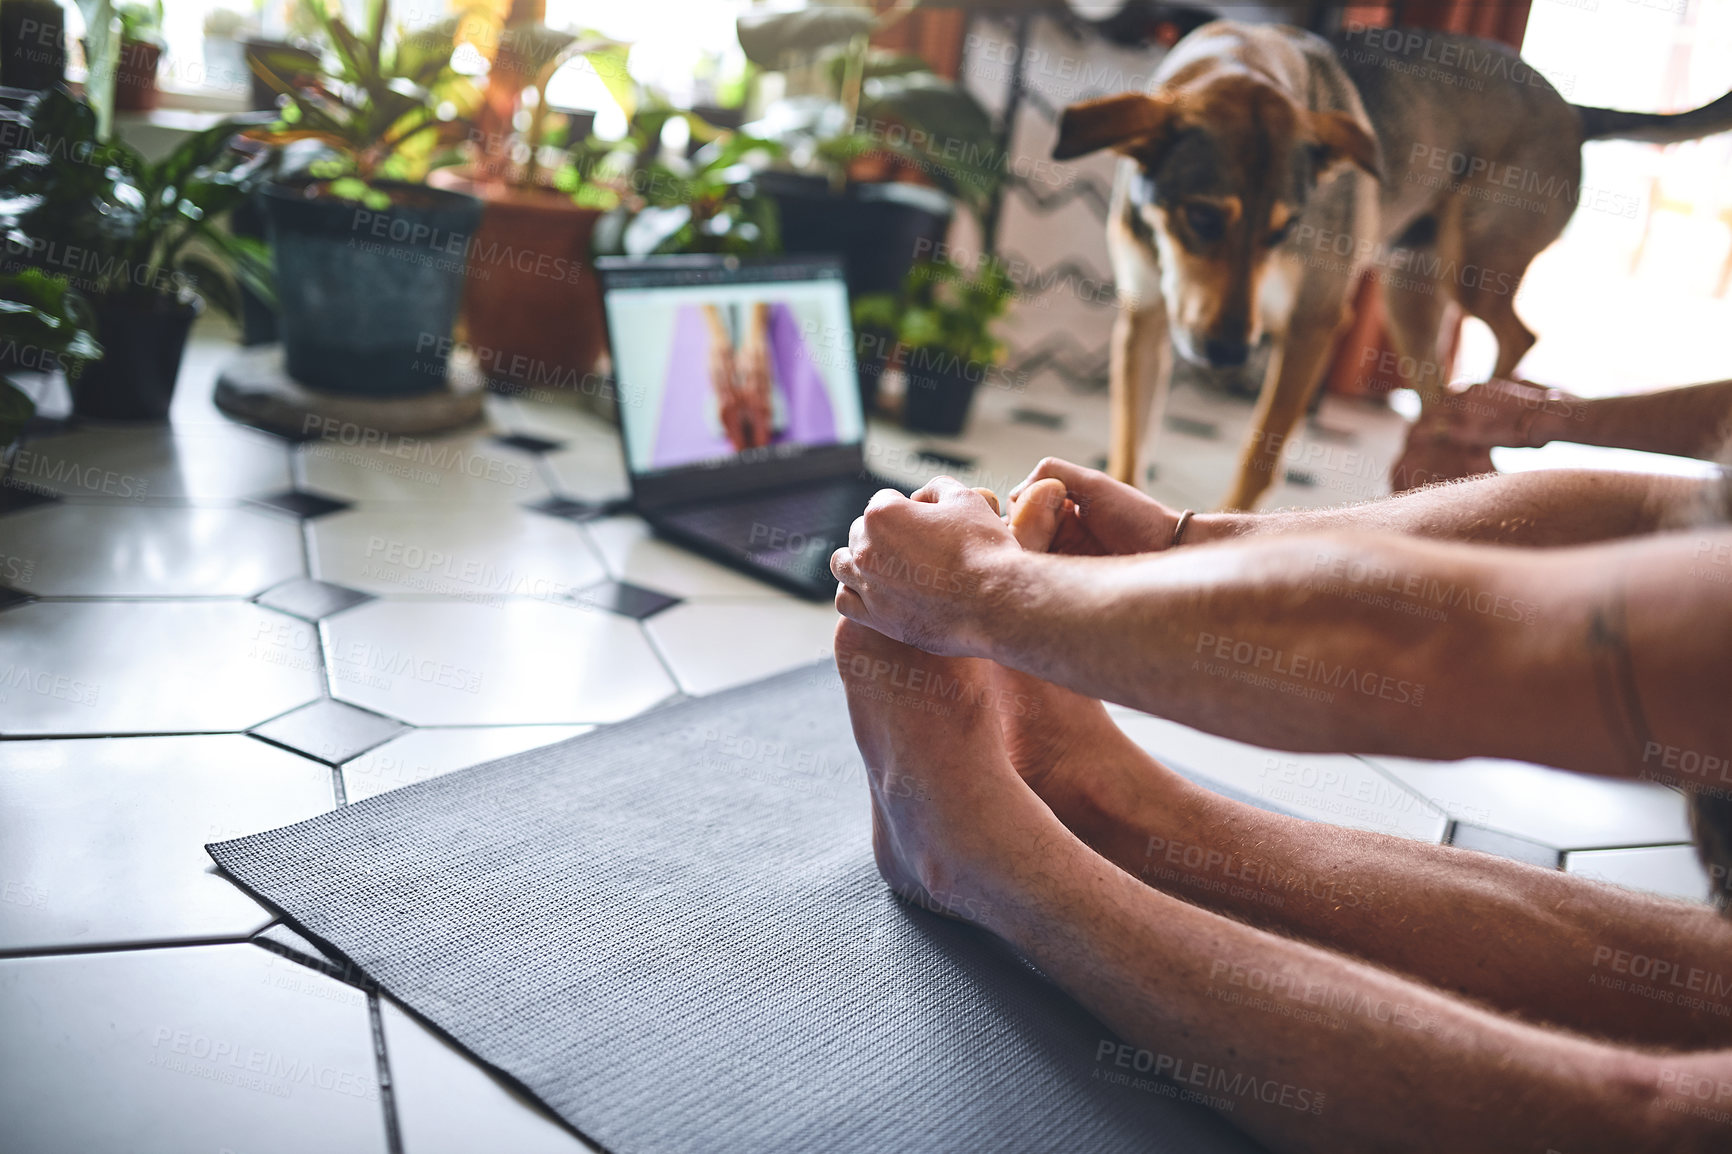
951, 819
1056, 738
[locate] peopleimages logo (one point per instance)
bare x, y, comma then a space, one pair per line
400, 230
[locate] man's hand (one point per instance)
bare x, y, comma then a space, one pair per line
1099, 516
1499, 413
924, 570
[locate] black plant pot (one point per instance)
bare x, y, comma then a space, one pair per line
873, 349
880, 229
143, 339
32, 44
940, 390
258, 319
366, 298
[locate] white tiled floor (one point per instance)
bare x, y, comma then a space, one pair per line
88, 550
102, 839
480, 623
197, 1048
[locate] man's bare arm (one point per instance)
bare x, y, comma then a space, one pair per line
1596, 658
1548, 507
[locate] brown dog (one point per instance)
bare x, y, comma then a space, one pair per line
1266, 168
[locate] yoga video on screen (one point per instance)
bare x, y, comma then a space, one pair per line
715, 374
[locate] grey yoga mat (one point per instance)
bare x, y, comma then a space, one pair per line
671, 932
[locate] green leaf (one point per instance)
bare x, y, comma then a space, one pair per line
770, 37
102, 44
16, 409
212, 283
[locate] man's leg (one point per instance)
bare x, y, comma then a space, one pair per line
1400, 1065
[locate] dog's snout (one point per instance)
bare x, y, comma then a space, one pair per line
1223, 354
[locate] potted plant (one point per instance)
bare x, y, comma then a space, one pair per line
370, 261
44, 327
141, 240
32, 44
942, 320
532, 307
707, 203
140, 53
879, 149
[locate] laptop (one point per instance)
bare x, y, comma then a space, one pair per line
739, 408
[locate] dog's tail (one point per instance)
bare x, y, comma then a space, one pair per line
1657, 128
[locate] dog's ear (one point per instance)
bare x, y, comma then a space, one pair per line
1340, 137
1111, 122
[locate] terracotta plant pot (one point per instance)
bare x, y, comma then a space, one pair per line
532, 305
135, 76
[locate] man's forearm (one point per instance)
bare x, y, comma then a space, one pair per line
1693, 421
1390, 645
1569, 952
1546, 507
1406, 1068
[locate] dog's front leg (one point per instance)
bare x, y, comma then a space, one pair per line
1141, 365
1295, 371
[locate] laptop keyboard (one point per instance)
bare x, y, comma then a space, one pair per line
794, 523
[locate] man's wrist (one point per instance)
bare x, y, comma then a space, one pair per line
1559, 417
1204, 527
998, 603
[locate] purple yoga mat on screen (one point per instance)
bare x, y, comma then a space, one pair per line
687, 430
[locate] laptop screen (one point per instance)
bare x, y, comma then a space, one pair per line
726, 365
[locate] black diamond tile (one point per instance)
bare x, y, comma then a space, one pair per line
528, 443
626, 599
300, 503
330, 731
16, 496
946, 460
1151, 472
10, 597
1301, 478
1038, 417
1192, 427
1466, 835
573, 510
311, 600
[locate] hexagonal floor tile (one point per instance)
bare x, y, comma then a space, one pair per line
426, 753
1673, 870
635, 554
714, 645
466, 469
119, 667
455, 552
82, 550
194, 1048
1550, 806
449, 1104
154, 463
508, 663
102, 839
1334, 788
